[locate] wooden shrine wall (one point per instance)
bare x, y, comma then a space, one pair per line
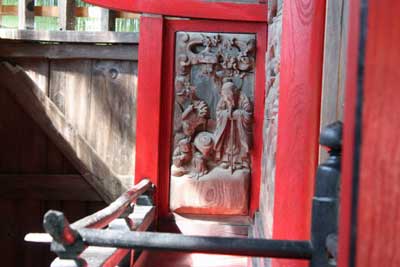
94, 86
87, 82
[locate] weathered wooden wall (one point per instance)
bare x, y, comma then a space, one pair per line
95, 91
264, 218
34, 177
98, 96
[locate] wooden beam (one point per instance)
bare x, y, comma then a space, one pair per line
26, 16
66, 11
190, 9
331, 102
61, 132
68, 51
112, 15
149, 84
71, 36
299, 113
46, 187
104, 19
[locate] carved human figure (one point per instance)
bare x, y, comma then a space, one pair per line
195, 114
181, 157
232, 136
200, 165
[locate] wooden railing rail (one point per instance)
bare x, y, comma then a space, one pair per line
320, 249
121, 215
121, 205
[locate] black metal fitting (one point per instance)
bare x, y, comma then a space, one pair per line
325, 200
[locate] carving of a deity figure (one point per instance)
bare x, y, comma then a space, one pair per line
232, 136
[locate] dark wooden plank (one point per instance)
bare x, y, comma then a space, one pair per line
60, 131
74, 209
9, 133
32, 140
66, 13
8, 233
67, 51
70, 36
92, 206
26, 15
47, 187
32, 210
112, 15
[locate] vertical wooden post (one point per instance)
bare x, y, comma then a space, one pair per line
105, 17
149, 99
332, 85
111, 20
299, 113
66, 9
26, 15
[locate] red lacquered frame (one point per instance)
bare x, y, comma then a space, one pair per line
190, 8
149, 140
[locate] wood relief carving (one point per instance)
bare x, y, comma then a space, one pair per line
214, 84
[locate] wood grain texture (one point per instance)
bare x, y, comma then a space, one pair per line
113, 114
70, 36
54, 124
149, 98
66, 13
67, 51
190, 9
298, 125
346, 179
378, 236
331, 101
46, 187
26, 15
167, 100
227, 194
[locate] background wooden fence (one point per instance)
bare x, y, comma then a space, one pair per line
64, 15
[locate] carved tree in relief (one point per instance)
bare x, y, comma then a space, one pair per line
214, 84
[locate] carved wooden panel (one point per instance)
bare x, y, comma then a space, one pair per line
213, 122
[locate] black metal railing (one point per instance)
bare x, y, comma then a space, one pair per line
69, 241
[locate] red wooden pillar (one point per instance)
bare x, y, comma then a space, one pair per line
149, 98
369, 224
299, 112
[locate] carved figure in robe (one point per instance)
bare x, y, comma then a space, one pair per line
232, 136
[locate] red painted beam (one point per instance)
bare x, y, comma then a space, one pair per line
190, 9
299, 113
149, 99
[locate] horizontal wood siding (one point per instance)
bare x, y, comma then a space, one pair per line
98, 96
